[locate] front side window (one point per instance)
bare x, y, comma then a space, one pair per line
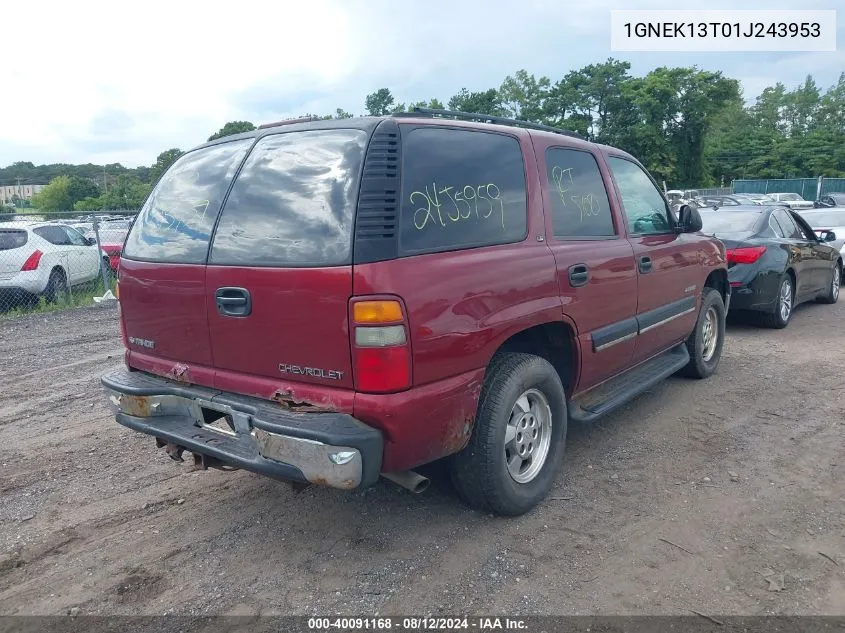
644, 205
293, 203
580, 206
461, 189
75, 236
175, 224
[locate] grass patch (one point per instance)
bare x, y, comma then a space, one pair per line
82, 295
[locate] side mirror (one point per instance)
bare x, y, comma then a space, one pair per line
90, 241
689, 220
827, 236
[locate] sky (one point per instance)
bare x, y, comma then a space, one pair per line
93, 81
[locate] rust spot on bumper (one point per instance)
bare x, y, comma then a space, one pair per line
457, 434
290, 402
139, 406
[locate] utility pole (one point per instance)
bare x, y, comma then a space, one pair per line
19, 192
105, 182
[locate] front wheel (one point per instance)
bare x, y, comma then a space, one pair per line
705, 343
517, 444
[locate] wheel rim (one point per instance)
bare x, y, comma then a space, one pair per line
528, 436
834, 286
785, 300
709, 334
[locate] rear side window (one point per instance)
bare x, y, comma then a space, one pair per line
293, 203
580, 207
460, 189
11, 238
788, 225
53, 234
176, 221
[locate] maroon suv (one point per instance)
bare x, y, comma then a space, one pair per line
326, 302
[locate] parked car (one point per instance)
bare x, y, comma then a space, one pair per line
754, 198
775, 261
373, 294
44, 259
717, 201
111, 242
681, 196
831, 200
827, 221
792, 200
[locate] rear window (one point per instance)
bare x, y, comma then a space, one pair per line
461, 188
293, 203
826, 219
729, 221
12, 238
176, 221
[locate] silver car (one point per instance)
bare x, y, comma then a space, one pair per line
793, 200
832, 219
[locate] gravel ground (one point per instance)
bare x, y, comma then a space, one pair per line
723, 496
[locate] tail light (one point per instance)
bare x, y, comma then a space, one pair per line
32, 261
380, 350
745, 255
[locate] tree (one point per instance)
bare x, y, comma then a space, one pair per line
55, 196
379, 103
486, 102
232, 127
523, 96
79, 188
164, 160
590, 100
340, 113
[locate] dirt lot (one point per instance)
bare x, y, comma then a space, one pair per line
724, 496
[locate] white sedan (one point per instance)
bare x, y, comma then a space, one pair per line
45, 259
828, 220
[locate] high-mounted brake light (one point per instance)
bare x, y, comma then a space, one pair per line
745, 255
32, 261
380, 347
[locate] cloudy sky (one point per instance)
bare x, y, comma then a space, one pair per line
102, 82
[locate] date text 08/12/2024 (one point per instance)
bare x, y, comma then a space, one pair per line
416, 624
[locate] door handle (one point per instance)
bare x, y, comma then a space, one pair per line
235, 302
645, 264
579, 275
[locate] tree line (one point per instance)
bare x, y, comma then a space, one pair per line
690, 127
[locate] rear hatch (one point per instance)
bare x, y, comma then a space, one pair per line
162, 275
253, 283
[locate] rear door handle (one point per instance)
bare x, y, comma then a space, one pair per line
235, 302
579, 275
645, 264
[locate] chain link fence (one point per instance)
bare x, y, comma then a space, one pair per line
52, 261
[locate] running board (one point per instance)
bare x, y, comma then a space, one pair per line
612, 394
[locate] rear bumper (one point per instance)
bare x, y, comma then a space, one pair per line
332, 449
31, 282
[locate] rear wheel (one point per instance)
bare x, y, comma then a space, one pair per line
705, 343
517, 444
832, 294
779, 319
56, 286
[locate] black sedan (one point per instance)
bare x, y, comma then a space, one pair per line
831, 200
775, 260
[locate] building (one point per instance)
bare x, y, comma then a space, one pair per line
9, 193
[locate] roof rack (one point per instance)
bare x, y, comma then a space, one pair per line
488, 118
305, 119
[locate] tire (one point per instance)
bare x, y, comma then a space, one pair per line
705, 343
56, 286
779, 319
522, 392
832, 294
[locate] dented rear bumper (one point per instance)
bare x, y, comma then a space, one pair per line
326, 448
